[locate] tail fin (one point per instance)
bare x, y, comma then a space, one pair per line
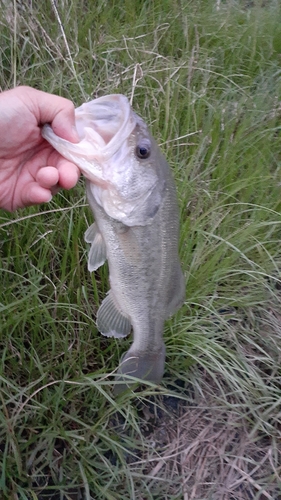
147, 366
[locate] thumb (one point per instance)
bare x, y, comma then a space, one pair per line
53, 109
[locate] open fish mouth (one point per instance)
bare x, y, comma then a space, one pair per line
105, 121
102, 125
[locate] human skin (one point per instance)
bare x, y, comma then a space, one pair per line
31, 171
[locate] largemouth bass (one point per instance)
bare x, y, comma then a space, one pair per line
132, 194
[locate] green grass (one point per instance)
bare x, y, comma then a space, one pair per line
205, 75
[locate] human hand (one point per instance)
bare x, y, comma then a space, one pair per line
31, 171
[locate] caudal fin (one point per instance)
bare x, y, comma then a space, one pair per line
146, 366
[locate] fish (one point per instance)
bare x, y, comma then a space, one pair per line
132, 194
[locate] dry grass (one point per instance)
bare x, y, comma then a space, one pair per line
207, 451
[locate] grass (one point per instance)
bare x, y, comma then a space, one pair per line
206, 78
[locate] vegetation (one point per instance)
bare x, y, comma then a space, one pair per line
205, 75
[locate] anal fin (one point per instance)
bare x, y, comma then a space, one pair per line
111, 322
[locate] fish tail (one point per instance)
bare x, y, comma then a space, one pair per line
144, 365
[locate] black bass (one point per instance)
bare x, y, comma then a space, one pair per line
132, 194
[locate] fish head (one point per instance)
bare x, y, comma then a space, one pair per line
118, 156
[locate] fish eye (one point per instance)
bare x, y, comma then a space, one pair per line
143, 151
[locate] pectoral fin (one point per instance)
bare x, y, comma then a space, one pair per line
97, 253
111, 322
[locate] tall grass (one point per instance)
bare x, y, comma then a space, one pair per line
206, 78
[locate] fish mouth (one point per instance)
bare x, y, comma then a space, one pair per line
102, 125
105, 122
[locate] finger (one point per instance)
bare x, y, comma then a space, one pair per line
49, 108
68, 174
47, 177
34, 195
